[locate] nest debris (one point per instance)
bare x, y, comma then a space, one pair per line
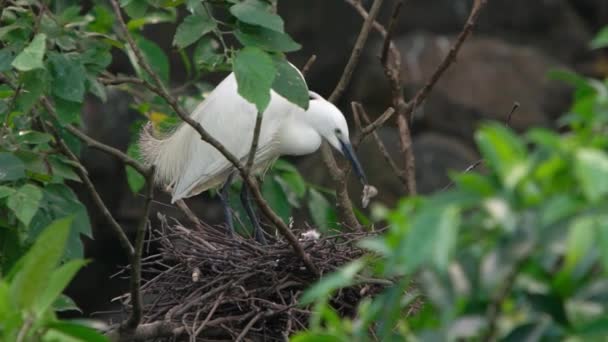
219, 287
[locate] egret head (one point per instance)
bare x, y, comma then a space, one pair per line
331, 125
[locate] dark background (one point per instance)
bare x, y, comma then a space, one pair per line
506, 60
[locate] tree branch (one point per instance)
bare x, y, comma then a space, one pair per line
82, 174
308, 64
358, 108
344, 204
205, 136
135, 281
90, 142
254, 142
356, 53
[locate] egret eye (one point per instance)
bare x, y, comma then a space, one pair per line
338, 131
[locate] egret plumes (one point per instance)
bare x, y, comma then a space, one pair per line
189, 166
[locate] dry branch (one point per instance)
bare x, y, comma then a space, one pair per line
339, 173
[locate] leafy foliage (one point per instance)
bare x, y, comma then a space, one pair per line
517, 252
53, 54
31, 292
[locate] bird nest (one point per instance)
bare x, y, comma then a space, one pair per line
212, 286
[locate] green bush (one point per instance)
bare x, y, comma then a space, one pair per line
517, 251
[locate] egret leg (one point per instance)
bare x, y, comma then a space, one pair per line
258, 233
226, 204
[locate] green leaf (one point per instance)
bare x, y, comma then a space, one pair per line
63, 168
580, 239
8, 28
69, 77
290, 83
321, 211
6, 58
60, 201
11, 167
601, 39
62, 331
432, 237
135, 8
97, 88
6, 191
503, 152
265, 39
67, 111
205, 54
104, 19
6, 91
344, 276
30, 281
602, 240
135, 179
295, 182
33, 85
56, 283
192, 29
255, 73
591, 171
65, 303
255, 12
31, 57
277, 199
33, 137
310, 336
25, 202
155, 57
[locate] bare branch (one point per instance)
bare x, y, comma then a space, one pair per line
135, 281
308, 64
344, 204
389, 35
356, 53
450, 58
358, 108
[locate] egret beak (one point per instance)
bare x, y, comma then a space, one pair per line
347, 150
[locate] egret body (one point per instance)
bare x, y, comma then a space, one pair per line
189, 166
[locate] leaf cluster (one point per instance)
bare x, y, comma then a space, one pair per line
517, 251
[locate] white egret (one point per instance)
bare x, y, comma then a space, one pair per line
189, 166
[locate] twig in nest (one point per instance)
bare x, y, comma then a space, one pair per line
240, 287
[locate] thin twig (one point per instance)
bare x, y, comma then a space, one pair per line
344, 204
389, 35
135, 281
92, 143
308, 64
254, 142
510, 116
209, 315
84, 177
356, 53
450, 58
248, 327
205, 136
381, 147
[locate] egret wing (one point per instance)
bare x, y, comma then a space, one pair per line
230, 119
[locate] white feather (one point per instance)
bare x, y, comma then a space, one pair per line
189, 166
192, 166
